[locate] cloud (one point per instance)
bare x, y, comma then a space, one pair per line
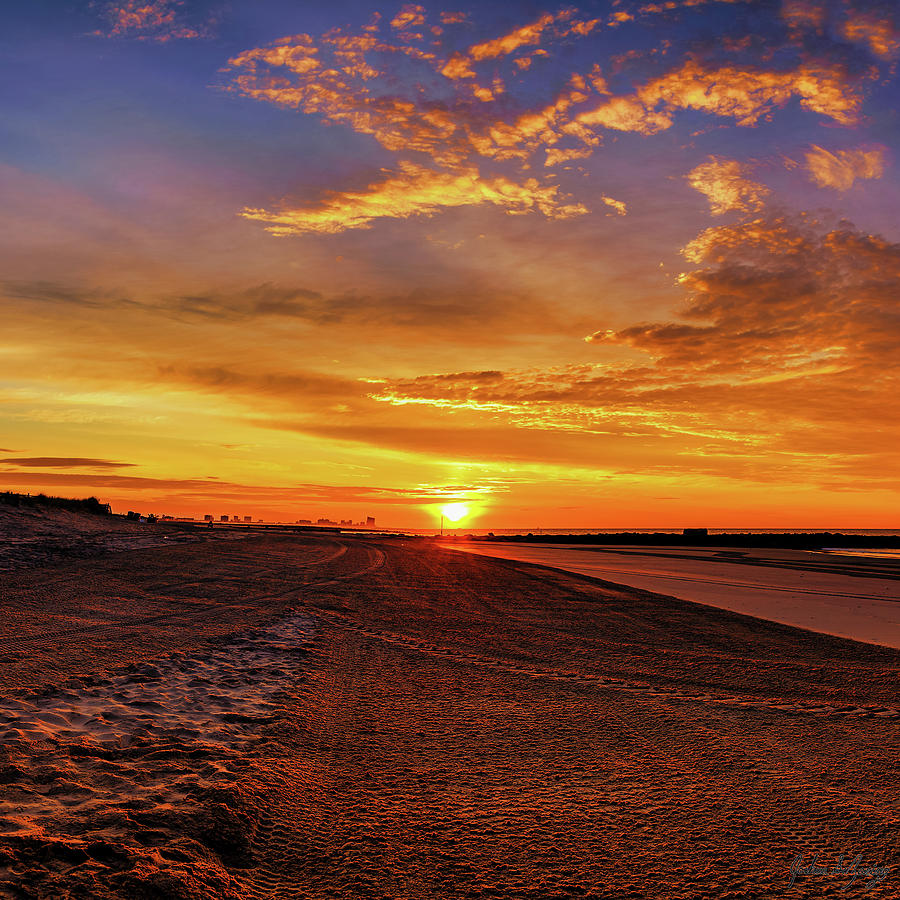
214, 489
416, 191
726, 185
620, 208
410, 16
305, 388
457, 67
872, 23
64, 462
450, 114
62, 295
779, 366
473, 313
149, 20
840, 169
879, 30
777, 298
804, 13
743, 93
519, 37
357, 80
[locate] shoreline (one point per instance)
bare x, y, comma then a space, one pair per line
857, 598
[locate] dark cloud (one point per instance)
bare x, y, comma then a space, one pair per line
294, 385
214, 489
57, 294
466, 311
63, 462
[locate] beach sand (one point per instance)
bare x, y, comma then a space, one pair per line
856, 597
312, 716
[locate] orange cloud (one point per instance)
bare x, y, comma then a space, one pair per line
148, 20
582, 28
411, 16
557, 155
620, 208
343, 76
742, 93
880, 33
726, 185
840, 169
416, 191
458, 66
337, 88
780, 366
332, 77
803, 13
521, 37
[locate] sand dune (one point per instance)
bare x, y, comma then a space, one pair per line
36, 536
330, 717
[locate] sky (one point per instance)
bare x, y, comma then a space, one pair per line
620, 264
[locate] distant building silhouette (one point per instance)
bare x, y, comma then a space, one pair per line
248, 518
370, 521
223, 518
207, 518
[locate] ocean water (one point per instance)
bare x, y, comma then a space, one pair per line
463, 530
867, 554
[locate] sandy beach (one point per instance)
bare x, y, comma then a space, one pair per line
312, 716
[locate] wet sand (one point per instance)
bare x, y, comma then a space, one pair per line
337, 717
843, 595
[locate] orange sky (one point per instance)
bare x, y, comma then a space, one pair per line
611, 266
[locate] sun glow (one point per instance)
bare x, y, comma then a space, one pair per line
455, 511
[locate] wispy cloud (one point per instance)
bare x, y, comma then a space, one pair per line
878, 28
64, 462
874, 24
416, 191
841, 168
160, 490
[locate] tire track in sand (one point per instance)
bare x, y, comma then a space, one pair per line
795, 707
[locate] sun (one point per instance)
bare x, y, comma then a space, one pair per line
455, 511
